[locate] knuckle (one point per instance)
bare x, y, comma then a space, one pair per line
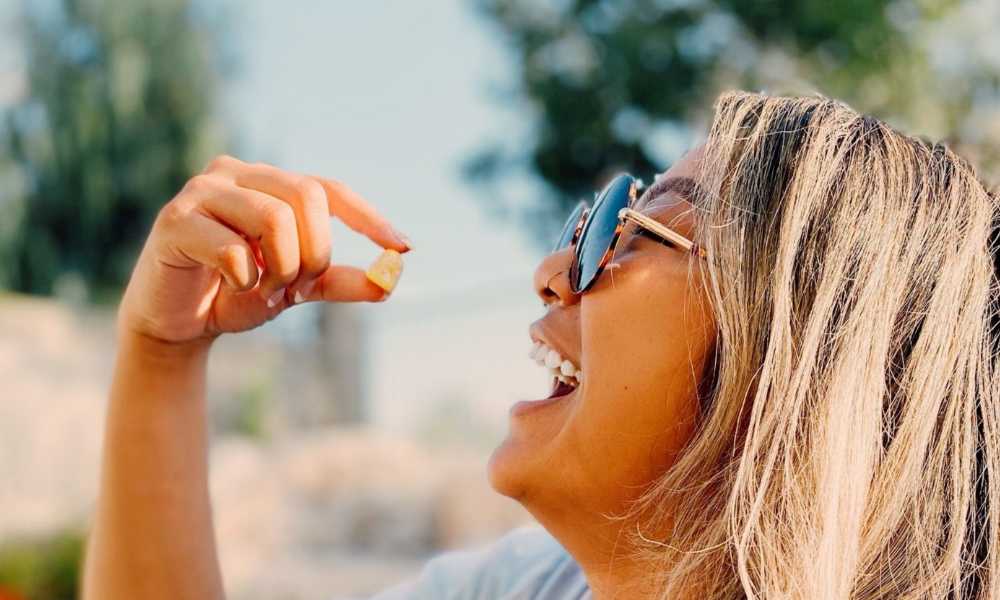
337, 185
308, 190
283, 273
199, 184
316, 207
317, 262
231, 257
174, 214
278, 218
234, 259
221, 162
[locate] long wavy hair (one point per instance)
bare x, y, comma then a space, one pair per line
849, 442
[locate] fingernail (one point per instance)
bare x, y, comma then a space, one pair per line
307, 290
402, 238
304, 292
275, 298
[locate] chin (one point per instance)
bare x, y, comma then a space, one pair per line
525, 464
505, 473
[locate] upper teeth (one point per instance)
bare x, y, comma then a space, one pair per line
562, 369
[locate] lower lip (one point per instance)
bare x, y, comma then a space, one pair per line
525, 407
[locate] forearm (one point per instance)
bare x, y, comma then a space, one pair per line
152, 536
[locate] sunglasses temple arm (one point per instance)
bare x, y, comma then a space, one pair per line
656, 227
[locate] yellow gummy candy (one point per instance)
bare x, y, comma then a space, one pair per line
386, 269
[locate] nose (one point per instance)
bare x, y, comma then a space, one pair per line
551, 279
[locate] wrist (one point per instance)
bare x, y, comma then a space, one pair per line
136, 345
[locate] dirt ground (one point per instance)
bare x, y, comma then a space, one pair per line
300, 515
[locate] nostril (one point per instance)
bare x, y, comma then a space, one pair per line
550, 283
549, 297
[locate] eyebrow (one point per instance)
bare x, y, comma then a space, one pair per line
685, 187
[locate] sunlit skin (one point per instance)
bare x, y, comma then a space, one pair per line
242, 242
641, 335
239, 244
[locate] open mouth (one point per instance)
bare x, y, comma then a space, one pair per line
561, 388
566, 376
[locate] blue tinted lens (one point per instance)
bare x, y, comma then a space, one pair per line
595, 239
566, 235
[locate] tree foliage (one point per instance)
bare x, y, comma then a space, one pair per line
43, 568
113, 122
618, 84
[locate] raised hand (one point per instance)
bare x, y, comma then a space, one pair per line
239, 244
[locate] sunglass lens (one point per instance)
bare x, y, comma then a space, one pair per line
566, 235
598, 233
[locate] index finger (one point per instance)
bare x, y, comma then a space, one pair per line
356, 213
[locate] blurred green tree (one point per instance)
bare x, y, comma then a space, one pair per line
114, 120
43, 568
625, 84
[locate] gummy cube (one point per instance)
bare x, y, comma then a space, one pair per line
386, 269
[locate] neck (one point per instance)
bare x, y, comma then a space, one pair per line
603, 549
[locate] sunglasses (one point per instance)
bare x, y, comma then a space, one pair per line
595, 231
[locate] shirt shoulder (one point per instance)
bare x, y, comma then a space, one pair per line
524, 564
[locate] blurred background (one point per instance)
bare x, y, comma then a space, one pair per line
350, 442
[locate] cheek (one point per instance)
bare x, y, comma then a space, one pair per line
643, 359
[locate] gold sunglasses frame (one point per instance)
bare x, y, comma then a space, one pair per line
626, 215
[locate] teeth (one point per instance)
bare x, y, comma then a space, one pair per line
538, 353
561, 369
540, 356
552, 359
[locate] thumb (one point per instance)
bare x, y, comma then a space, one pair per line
342, 283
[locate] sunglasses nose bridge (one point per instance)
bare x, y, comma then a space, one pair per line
571, 228
584, 215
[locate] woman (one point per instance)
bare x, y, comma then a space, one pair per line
780, 383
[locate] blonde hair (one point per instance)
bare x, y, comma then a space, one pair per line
849, 445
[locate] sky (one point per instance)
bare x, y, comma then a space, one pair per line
388, 97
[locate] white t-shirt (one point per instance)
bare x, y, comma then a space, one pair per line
525, 564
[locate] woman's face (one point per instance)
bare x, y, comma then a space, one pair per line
641, 336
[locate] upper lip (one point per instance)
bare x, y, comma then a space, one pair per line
541, 332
